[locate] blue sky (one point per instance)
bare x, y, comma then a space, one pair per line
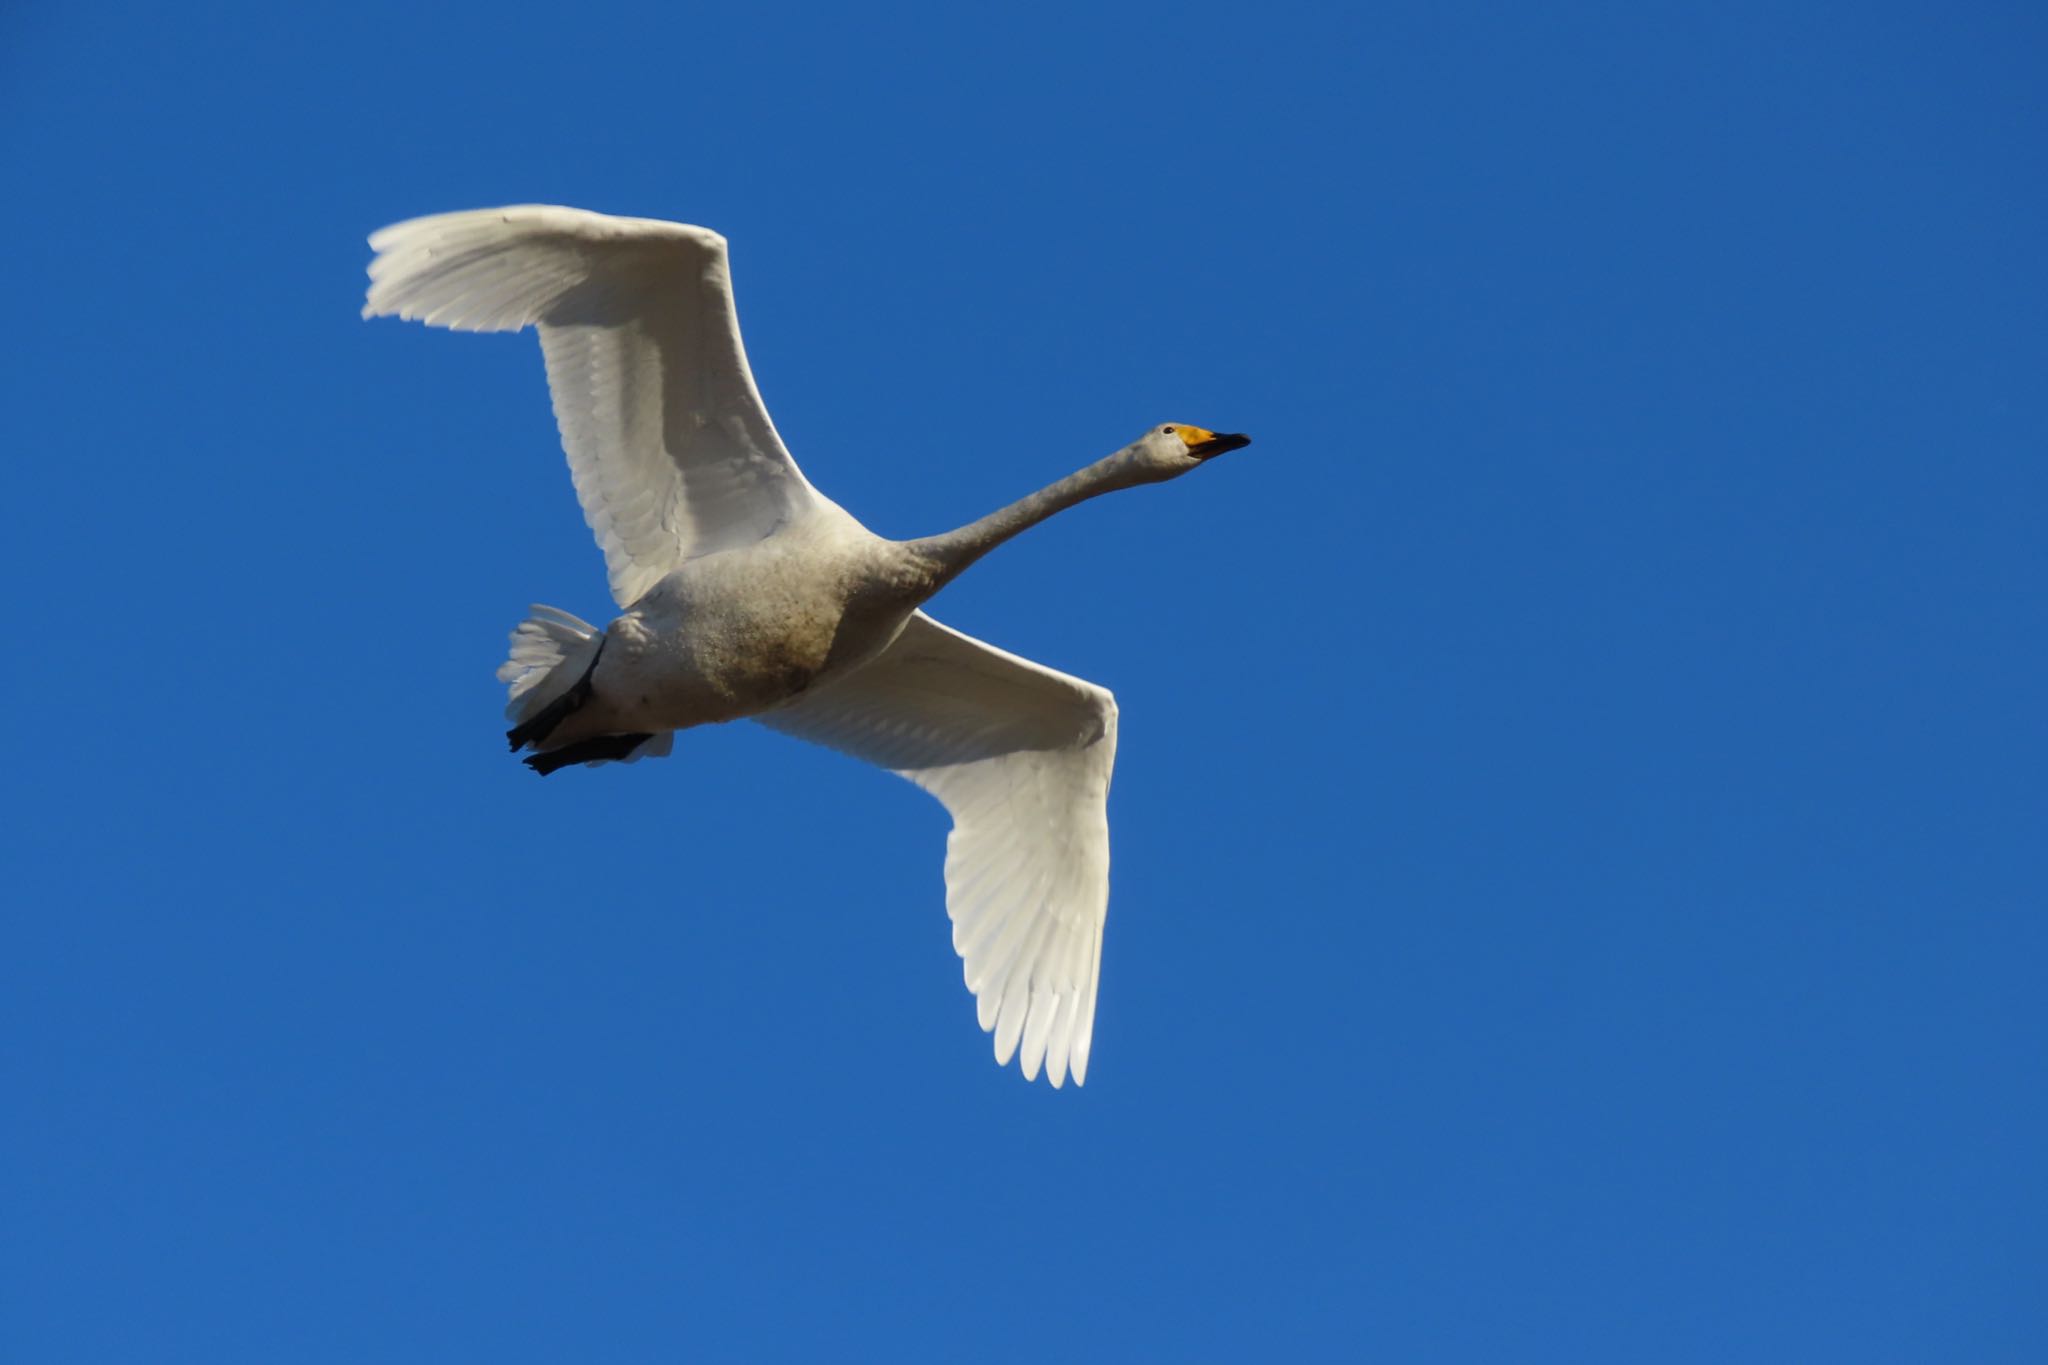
1579, 868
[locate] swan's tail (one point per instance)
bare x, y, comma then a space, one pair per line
547, 677
552, 653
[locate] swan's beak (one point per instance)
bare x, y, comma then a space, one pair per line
1216, 443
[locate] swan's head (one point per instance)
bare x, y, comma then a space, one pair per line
1175, 447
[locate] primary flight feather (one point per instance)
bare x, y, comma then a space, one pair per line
746, 592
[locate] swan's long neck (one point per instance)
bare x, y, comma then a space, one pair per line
955, 550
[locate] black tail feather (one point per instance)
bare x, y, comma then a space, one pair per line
585, 751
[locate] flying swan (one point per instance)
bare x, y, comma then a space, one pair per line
746, 592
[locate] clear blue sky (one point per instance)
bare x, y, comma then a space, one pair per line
1579, 830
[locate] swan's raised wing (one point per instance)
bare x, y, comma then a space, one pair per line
672, 452
1021, 756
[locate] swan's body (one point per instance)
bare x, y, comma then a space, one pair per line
746, 593
738, 631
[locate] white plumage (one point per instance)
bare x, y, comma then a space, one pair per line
745, 592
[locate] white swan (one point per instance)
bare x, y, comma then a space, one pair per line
746, 592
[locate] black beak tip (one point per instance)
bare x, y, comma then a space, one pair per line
1220, 442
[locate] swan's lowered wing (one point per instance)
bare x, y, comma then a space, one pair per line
672, 452
1021, 756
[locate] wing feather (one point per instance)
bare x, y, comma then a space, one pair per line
1021, 756
670, 448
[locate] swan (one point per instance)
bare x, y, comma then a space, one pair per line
744, 592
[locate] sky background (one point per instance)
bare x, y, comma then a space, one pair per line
1579, 859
